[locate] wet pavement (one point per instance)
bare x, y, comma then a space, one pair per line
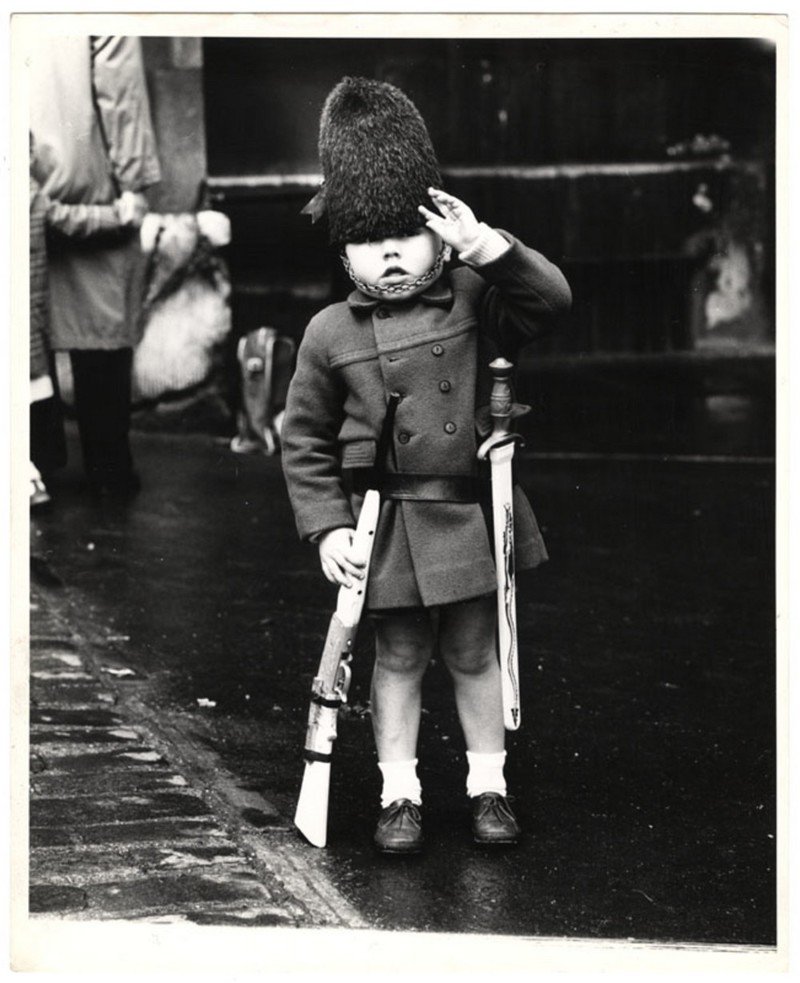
644, 769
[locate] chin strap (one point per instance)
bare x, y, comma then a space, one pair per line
396, 288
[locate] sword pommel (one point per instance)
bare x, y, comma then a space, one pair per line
501, 403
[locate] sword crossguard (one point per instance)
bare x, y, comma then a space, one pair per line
498, 439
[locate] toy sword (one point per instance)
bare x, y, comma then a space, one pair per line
499, 448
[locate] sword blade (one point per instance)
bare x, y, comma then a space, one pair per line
503, 524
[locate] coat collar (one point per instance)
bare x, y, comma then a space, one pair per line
439, 294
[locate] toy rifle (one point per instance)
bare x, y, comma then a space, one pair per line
332, 681
499, 448
330, 686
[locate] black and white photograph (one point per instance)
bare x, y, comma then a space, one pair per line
404, 442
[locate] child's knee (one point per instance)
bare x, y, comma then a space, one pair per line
469, 658
402, 657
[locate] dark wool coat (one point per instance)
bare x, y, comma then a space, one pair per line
434, 350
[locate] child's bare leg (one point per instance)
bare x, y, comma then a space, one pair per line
467, 646
404, 645
466, 641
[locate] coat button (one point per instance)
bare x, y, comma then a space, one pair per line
382, 313
437, 350
403, 437
444, 386
450, 427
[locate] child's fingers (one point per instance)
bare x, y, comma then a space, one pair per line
329, 575
346, 564
445, 201
431, 217
355, 567
335, 574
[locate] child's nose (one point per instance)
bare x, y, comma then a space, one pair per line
391, 247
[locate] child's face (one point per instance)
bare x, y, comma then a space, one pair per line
386, 266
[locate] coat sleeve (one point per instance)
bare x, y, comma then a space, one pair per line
120, 92
81, 221
309, 439
527, 295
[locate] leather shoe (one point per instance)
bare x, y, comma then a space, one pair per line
493, 821
399, 828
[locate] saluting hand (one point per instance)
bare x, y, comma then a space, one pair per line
456, 224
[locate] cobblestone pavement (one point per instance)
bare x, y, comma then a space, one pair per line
120, 827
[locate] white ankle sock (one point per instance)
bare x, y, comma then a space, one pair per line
485, 773
400, 782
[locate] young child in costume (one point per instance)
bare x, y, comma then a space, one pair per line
413, 328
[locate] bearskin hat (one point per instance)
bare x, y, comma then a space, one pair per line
377, 162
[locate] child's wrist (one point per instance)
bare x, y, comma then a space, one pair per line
488, 246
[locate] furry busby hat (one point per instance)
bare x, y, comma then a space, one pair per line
377, 162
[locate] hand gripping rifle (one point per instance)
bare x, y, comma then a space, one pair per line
332, 681
499, 448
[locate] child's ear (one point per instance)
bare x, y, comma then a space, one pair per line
448, 250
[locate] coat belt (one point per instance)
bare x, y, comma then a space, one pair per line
409, 487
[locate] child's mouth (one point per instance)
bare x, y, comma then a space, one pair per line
393, 273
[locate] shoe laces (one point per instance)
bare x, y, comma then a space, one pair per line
494, 802
404, 809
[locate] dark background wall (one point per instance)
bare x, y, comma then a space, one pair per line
493, 101
643, 167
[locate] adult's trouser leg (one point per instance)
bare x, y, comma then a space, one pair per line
102, 385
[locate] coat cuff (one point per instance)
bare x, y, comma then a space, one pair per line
315, 537
313, 524
489, 246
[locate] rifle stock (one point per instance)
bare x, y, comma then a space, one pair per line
330, 686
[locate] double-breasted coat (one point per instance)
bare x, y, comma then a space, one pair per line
93, 139
433, 350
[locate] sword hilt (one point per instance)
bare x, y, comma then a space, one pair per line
501, 402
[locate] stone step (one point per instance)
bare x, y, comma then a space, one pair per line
186, 830
61, 716
155, 893
49, 783
97, 864
80, 811
78, 761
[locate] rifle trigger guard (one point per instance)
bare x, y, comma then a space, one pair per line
343, 681
498, 440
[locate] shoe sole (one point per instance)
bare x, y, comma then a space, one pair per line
505, 842
398, 852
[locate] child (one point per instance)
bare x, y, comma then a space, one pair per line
413, 328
